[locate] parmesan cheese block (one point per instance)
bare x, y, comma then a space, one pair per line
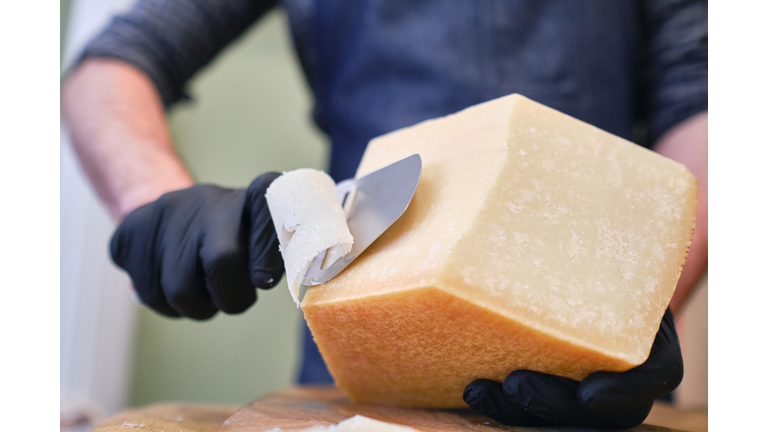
309, 219
534, 241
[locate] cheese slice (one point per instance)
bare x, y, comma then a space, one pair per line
309, 219
534, 241
361, 424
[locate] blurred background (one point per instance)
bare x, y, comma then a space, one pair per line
250, 114
115, 353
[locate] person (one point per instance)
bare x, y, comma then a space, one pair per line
375, 66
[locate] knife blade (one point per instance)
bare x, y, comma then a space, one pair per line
372, 204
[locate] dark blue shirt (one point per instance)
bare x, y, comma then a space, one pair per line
633, 68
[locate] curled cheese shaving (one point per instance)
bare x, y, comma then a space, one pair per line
308, 219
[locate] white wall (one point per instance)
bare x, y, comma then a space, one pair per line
97, 312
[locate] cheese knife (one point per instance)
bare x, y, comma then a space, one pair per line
371, 204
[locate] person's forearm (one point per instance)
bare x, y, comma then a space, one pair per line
118, 129
687, 144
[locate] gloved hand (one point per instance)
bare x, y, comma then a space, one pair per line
199, 250
611, 400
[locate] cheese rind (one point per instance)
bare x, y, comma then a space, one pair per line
534, 241
309, 219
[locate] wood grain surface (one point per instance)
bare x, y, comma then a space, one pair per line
298, 408
168, 418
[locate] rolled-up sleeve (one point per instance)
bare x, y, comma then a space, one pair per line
170, 40
674, 77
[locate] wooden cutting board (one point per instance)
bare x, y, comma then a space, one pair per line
302, 407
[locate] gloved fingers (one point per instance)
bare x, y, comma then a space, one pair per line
265, 265
182, 274
227, 278
224, 255
131, 248
609, 391
554, 398
545, 395
661, 373
265, 261
185, 290
176, 258
485, 396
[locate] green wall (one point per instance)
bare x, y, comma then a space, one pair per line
250, 114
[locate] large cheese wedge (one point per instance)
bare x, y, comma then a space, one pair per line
534, 241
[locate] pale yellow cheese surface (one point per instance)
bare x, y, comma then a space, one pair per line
562, 242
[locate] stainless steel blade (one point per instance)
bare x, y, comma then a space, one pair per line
379, 199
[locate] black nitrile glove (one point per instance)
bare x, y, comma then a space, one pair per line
610, 400
199, 250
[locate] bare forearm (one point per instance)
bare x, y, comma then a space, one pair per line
687, 144
118, 129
